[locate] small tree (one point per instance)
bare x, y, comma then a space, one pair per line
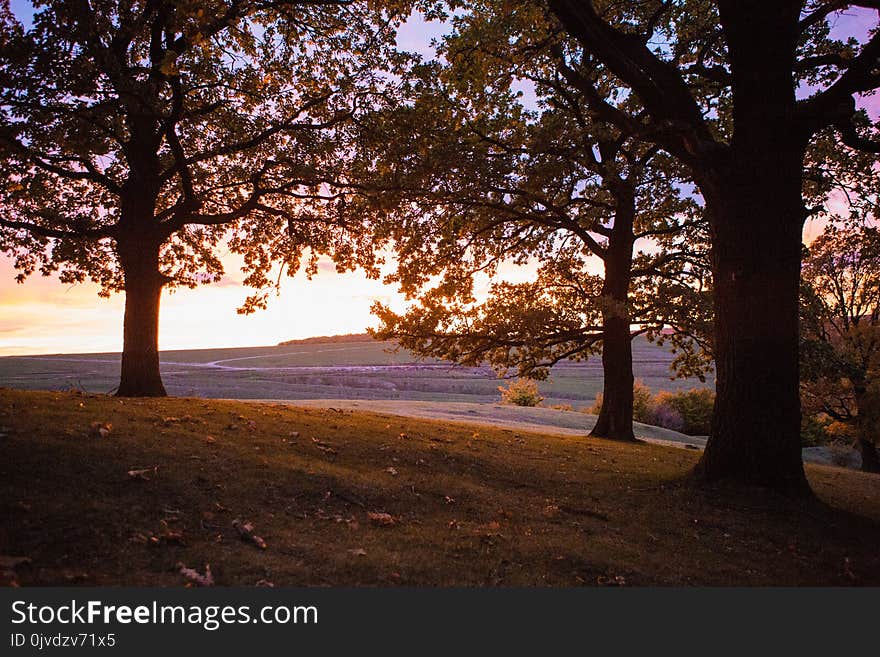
522, 392
840, 333
138, 137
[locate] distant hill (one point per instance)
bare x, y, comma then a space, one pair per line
324, 339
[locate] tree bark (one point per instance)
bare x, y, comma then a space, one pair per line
138, 246
615, 419
870, 458
755, 436
755, 208
865, 426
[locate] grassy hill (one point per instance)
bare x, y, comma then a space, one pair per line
341, 367
351, 498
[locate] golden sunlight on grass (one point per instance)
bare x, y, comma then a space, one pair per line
345, 498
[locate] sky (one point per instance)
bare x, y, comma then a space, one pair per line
45, 316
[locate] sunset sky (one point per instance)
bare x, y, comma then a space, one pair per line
44, 316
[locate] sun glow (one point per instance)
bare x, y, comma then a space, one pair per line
43, 316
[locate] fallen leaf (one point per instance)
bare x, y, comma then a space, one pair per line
324, 447
392, 471
381, 519
100, 429
195, 577
8, 562
143, 473
168, 535
246, 532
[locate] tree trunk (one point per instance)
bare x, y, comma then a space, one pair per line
756, 221
866, 427
140, 375
870, 458
616, 414
755, 208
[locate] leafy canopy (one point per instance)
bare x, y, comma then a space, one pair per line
203, 126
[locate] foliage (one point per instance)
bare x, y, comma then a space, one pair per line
840, 329
521, 392
693, 406
474, 175
218, 121
688, 411
814, 430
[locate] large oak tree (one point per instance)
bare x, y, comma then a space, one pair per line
737, 90
137, 138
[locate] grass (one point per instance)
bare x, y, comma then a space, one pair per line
336, 369
493, 507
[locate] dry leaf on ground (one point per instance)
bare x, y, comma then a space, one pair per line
246, 532
381, 519
193, 576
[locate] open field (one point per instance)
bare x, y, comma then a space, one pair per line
356, 369
491, 506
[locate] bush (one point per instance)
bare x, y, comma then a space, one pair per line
814, 430
642, 401
689, 411
694, 407
664, 415
522, 392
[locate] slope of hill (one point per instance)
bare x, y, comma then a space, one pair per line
350, 498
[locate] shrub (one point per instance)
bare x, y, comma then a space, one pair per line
664, 415
522, 392
689, 411
694, 407
642, 401
814, 430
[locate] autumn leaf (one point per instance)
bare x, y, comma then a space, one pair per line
194, 577
324, 447
143, 473
381, 519
246, 532
100, 429
168, 535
